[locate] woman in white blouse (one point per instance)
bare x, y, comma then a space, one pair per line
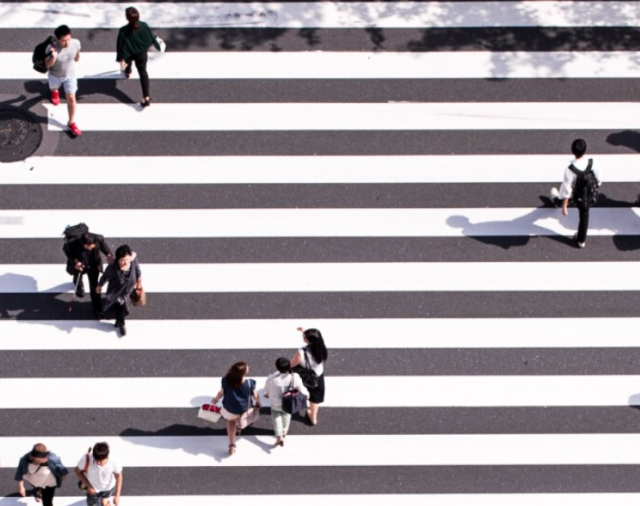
277, 384
316, 353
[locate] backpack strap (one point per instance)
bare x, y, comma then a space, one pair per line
575, 171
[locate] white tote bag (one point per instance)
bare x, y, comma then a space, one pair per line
209, 412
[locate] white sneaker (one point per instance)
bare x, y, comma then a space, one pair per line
553, 195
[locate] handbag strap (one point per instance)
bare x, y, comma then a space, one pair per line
306, 358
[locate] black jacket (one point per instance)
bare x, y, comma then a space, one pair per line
74, 252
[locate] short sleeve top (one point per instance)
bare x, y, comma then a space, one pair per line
317, 368
238, 400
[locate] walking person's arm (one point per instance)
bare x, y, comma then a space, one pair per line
81, 476
116, 499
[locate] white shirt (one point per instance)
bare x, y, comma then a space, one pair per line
40, 476
317, 368
278, 383
102, 478
566, 190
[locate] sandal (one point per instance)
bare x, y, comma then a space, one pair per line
232, 449
37, 494
146, 102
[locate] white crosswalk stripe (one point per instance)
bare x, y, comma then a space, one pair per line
446, 380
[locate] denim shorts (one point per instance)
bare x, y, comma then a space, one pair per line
70, 84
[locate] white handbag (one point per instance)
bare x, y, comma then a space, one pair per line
209, 412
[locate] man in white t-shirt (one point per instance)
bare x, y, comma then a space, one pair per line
63, 54
101, 473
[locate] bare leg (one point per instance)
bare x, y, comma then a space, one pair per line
313, 412
71, 106
231, 432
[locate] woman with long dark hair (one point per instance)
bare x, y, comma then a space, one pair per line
134, 40
237, 392
313, 356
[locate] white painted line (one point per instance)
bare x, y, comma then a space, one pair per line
365, 450
350, 116
454, 222
326, 14
57, 170
347, 277
610, 499
373, 391
352, 65
428, 333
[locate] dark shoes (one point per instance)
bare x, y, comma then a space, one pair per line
80, 291
146, 102
122, 329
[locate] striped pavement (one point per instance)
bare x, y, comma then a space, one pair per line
377, 170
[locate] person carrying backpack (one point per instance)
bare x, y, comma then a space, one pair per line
84, 256
63, 53
580, 184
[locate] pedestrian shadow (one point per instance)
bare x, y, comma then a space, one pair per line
492, 232
86, 87
627, 138
622, 242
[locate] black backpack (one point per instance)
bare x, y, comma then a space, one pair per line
40, 55
72, 233
585, 188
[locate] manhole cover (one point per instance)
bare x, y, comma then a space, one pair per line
20, 135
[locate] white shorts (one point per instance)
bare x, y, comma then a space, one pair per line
228, 415
70, 84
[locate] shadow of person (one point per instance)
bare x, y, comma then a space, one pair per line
622, 242
634, 401
190, 439
627, 138
508, 234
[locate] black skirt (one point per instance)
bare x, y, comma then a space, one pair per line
316, 395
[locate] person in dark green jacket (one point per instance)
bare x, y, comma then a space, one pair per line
134, 39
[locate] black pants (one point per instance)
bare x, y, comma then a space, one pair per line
141, 64
122, 310
93, 275
47, 495
583, 224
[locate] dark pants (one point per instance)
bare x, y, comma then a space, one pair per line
141, 64
121, 312
93, 275
96, 500
583, 224
47, 495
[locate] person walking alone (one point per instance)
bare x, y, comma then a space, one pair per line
64, 52
237, 393
134, 40
580, 184
312, 356
277, 384
123, 276
43, 470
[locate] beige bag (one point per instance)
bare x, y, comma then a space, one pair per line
251, 415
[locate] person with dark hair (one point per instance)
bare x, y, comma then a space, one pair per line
84, 257
236, 394
101, 474
63, 54
575, 175
43, 470
313, 356
123, 276
134, 40
277, 384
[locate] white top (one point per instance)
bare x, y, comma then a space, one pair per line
569, 177
317, 368
102, 478
278, 383
40, 476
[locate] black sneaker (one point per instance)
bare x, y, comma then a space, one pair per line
80, 291
123, 330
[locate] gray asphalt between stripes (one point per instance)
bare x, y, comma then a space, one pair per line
618, 248
113, 91
297, 196
534, 479
353, 39
171, 422
459, 142
307, 305
344, 362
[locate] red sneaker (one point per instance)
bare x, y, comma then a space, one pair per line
74, 129
55, 97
